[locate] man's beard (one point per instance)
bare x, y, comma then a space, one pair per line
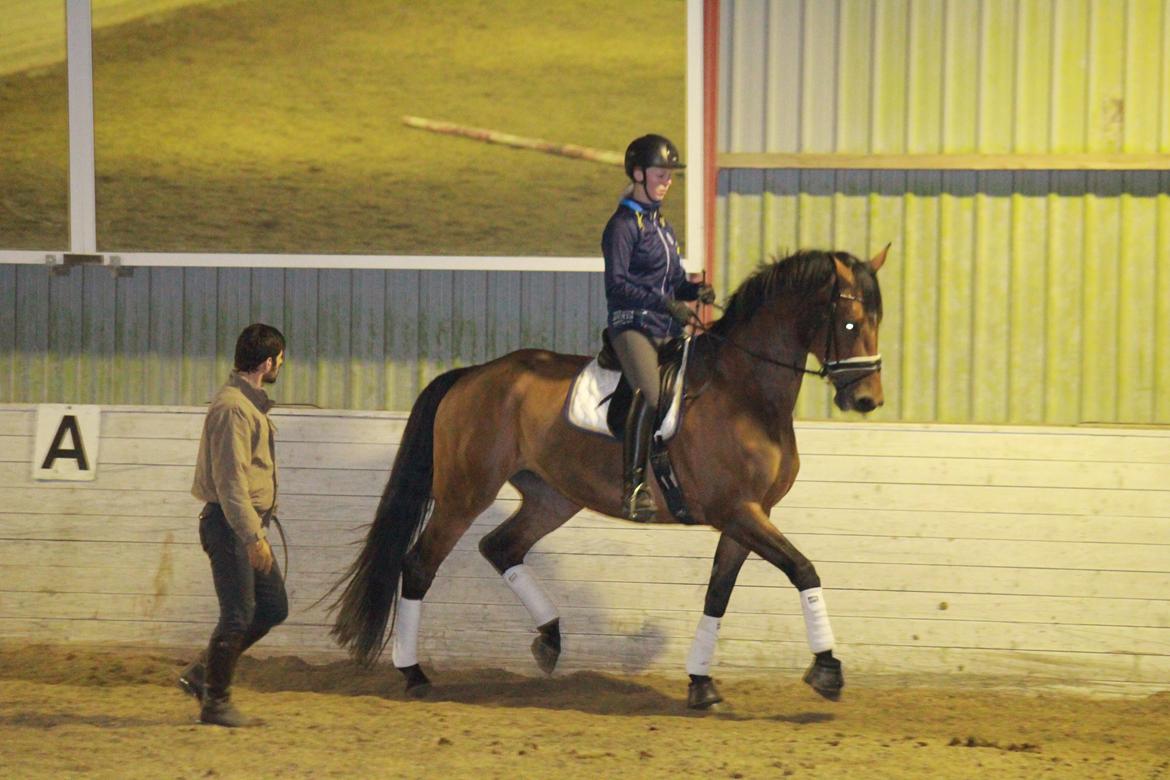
270, 377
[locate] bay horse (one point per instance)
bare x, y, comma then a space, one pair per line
475, 428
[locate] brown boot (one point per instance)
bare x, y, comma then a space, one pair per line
223, 713
191, 679
222, 655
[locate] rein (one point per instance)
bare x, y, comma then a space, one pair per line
823, 372
861, 365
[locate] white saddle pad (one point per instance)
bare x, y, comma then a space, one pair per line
589, 397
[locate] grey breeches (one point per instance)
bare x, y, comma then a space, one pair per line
638, 354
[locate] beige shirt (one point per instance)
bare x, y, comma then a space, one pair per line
236, 465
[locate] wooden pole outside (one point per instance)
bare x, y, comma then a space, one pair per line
517, 141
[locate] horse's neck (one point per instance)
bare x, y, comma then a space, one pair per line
758, 381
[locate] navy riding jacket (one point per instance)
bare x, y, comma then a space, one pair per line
643, 270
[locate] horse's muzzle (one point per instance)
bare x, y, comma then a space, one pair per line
858, 382
865, 404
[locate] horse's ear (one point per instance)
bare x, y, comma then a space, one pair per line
878, 260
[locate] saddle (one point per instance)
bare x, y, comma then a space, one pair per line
670, 361
600, 398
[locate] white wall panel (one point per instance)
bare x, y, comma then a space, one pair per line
1037, 555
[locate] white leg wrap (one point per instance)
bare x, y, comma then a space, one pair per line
816, 620
703, 648
406, 622
531, 595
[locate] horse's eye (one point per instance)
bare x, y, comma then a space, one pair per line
849, 326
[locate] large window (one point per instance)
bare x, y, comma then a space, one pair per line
258, 127
34, 132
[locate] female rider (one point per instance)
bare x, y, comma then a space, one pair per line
645, 286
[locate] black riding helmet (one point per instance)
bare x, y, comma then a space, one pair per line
651, 151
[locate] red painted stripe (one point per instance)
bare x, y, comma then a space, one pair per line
710, 117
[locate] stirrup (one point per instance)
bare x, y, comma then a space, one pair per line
639, 504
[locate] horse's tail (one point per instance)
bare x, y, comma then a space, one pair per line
367, 604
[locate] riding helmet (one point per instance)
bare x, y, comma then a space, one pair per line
651, 151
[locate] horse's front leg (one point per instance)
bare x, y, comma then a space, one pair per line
729, 558
752, 529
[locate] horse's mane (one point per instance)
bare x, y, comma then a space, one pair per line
801, 274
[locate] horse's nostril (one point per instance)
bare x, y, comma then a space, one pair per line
864, 404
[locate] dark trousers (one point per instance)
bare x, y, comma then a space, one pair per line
250, 602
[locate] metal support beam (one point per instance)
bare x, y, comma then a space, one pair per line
82, 197
696, 230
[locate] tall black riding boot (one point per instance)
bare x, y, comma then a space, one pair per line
222, 655
637, 502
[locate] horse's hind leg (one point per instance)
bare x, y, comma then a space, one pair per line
542, 510
447, 523
729, 558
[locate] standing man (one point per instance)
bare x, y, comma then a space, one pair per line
235, 474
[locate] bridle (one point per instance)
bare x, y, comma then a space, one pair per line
858, 367
853, 369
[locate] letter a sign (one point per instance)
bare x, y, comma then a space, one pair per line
67, 442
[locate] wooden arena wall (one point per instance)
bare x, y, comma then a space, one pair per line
1034, 556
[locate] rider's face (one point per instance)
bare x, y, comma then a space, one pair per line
657, 182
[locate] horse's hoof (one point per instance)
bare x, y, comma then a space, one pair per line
545, 654
702, 693
546, 648
824, 676
418, 684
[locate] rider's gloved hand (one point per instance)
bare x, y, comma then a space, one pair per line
679, 311
706, 294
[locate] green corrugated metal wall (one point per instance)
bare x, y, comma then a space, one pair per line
1011, 297
357, 339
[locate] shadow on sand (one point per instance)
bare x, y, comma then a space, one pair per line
598, 693
592, 692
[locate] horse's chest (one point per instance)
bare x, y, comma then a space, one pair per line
785, 477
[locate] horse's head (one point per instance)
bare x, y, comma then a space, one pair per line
846, 338
826, 303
